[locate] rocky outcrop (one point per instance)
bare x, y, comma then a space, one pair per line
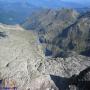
66, 67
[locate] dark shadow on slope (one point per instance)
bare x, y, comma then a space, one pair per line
61, 82
48, 52
80, 82
3, 34
62, 54
86, 53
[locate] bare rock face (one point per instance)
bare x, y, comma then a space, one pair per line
66, 67
43, 83
20, 55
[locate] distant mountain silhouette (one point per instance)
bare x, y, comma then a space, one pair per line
16, 11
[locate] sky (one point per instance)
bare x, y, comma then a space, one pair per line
84, 2
78, 1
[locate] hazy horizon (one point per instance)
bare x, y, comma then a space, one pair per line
84, 2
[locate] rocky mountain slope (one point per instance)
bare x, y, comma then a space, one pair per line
76, 36
48, 23
22, 59
62, 31
20, 54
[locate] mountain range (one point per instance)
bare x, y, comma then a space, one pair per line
16, 11
47, 3
61, 31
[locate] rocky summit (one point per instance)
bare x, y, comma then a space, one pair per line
22, 59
